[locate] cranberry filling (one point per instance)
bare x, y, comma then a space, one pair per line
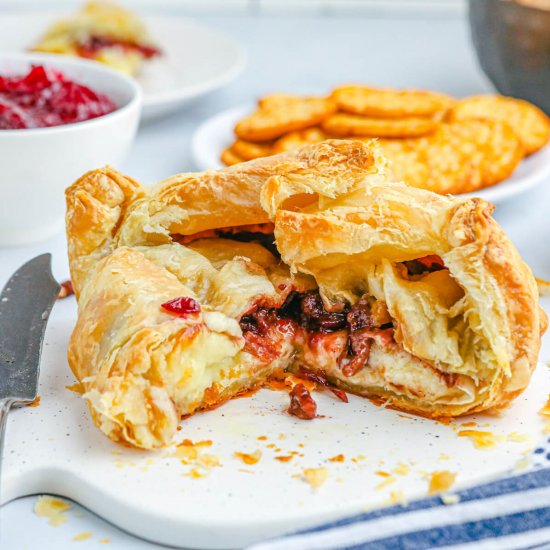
365, 321
302, 404
94, 44
182, 306
45, 97
305, 310
427, 264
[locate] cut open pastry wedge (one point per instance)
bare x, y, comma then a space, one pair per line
186, 299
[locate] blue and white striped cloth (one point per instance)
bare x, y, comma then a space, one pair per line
510, 513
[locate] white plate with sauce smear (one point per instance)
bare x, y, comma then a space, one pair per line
196, 59
216, 133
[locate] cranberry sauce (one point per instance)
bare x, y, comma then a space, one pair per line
45, 97
93, 45
365, 321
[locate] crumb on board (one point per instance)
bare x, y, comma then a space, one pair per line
105, 540
315, 476
517, 437
397, 497
449, 499
249, 458
522, 464
468, 425
337, 458
195, 473
207, 460
284, 458
262, 438
388, 480
481, 440
440, 481
402, 469
85, 535
34, 403
545, 411
52, 508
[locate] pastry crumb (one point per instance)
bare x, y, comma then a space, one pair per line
283, 458
262, 438
481, 440
402, 469
208, 460
85, 535
53, 509
522, 464
441, 481
105, 540
195, 474
388, 480
397, 497
34, 403
517, 437
337, 458
315, 476
449, 499
249, 458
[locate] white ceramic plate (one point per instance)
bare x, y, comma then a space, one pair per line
55, 448
196, 60
216, 133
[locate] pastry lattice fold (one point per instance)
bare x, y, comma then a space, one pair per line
388, 290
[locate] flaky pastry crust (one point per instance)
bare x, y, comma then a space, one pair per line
463, 337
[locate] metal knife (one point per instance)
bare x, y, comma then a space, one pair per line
25, 305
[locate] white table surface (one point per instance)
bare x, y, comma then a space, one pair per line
302, 54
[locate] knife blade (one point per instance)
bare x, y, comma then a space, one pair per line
25, 305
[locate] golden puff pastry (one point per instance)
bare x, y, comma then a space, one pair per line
387, 290
106, 210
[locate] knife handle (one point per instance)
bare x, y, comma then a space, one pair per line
5, 405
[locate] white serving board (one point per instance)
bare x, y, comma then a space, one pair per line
54, 448
216, 133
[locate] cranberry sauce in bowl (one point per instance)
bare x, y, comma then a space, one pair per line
59, 118
44, 97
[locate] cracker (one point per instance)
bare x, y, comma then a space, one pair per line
229, 157
279, 114
389, 103
298, 139
528, 121
459, 157
249, 150
346, 125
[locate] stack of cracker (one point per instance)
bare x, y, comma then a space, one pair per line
432, 140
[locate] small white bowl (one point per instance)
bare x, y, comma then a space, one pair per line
36, 165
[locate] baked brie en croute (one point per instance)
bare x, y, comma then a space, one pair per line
388, 291
104, 32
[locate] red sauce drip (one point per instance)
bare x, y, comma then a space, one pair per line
44, 98
182, 306
320, 379
302, 404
